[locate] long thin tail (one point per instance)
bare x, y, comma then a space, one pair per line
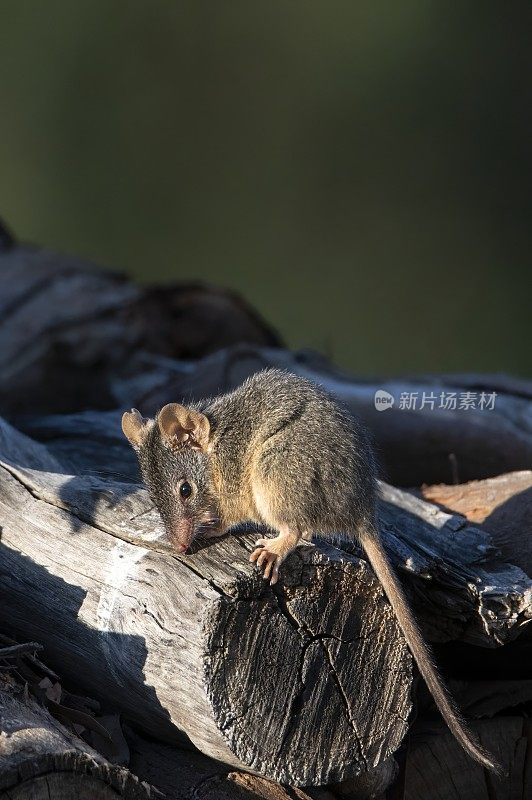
379, 561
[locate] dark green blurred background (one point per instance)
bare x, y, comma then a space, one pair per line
360, 171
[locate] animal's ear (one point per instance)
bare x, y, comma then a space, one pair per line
183, 426
135, 427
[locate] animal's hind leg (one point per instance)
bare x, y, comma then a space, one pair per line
270, 553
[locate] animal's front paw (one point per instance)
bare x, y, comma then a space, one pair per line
269, 555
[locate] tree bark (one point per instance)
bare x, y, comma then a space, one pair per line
305, 683
40, 759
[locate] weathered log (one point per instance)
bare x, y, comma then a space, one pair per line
424, 445
108, 343
308, 683
40, 759
434, 764
190, 319
66, 323
91, 443
181, 773
502, 506
176, 772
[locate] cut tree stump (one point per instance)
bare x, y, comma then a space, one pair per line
40, 759
307, 683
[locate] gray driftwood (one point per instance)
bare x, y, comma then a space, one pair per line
306, 684
40, 759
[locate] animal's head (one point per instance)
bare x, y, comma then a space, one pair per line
174, 456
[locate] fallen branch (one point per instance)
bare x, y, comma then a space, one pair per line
17, 650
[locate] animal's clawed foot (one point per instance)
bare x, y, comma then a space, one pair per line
269, 555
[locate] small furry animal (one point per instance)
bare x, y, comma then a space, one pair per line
279, 451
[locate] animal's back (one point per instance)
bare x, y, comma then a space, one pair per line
310, 451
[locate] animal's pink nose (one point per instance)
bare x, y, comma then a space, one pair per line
181, 548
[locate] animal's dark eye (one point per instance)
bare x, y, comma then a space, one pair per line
185, 490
